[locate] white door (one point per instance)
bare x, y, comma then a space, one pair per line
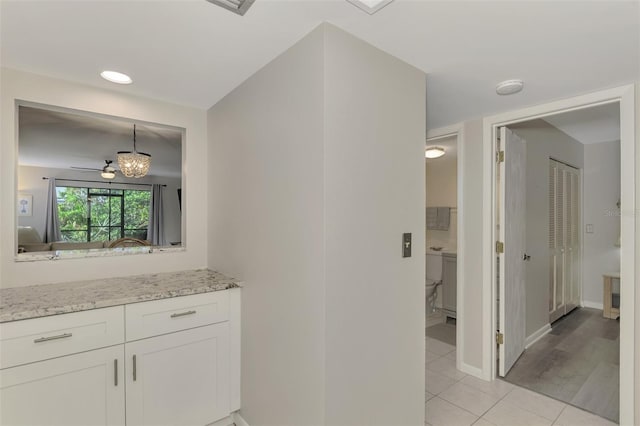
76, 390
557, 275
565, 257
180, 378
512, 188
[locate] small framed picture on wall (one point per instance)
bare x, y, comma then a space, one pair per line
25, 205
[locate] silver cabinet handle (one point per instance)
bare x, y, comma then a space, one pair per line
182, 314
134, 369
59, 336
115, 372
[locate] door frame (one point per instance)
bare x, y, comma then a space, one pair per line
457, 130
625, 96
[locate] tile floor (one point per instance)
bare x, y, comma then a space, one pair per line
456, 399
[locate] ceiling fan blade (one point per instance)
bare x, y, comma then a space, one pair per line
85, 168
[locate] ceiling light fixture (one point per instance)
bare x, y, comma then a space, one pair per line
108, 172
509, 87
236, 6
116, 77
434, 152
133, 163
369, 6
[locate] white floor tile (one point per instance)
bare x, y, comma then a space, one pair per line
536, 403
446, 367
572, 416
438, 347
451, 355
496, 388
483, 422
436, 383
442, 413
430, 356
507, 414
471, 399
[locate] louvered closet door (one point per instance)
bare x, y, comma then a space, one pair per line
564, 239
556, 241
573, 258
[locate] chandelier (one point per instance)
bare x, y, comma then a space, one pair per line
133, 163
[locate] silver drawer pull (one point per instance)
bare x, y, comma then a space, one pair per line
182, 314
46, 339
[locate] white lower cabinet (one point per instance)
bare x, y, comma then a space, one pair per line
180, 378
173, 367
82, 389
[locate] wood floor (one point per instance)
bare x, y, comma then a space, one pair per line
577, 363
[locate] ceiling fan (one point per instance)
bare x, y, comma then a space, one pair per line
107, 172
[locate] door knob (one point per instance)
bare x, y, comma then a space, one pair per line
526, 257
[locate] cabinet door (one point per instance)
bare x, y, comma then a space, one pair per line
179, 378
449, 284
83, 389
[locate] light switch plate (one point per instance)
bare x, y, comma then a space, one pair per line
589, 228
406, 244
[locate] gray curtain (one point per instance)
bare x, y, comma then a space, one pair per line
52, 222
155, 233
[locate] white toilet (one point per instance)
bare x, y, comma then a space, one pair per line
433, 278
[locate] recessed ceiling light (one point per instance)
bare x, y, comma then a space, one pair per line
509, 87
434, 152
116, 77
370, 6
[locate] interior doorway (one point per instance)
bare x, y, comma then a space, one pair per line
629, 356
454, 269
542, 167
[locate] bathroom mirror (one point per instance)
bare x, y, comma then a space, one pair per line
72, 196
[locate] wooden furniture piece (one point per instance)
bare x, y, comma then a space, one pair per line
161, 362
608, 308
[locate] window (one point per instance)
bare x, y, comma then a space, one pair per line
99, 214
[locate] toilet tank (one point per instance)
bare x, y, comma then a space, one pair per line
434, 266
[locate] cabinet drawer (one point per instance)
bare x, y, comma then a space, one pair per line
158, 317
26, 341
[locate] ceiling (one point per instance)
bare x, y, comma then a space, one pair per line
58, 139
192, 52
590, 125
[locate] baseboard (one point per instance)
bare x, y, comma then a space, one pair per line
536, 335
594, 305
471, 370
227, 421
238, 420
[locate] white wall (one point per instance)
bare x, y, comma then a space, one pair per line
442, 191
30, 182
374, 191
473, 316
543, 142
601, 193
266, 219
16, 86
316, 171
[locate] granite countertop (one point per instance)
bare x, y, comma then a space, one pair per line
51, 299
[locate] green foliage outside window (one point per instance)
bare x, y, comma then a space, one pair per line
96, 214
